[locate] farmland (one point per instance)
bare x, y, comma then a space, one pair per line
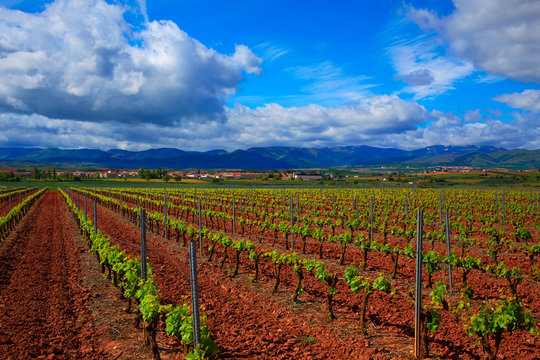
283, 273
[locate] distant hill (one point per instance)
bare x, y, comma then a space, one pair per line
275, 157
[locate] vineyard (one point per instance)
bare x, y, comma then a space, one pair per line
309, 273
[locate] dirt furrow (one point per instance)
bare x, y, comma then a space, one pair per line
52, 297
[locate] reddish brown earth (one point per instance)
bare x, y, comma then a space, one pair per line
53, 302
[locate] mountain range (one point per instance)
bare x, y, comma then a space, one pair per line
275, 157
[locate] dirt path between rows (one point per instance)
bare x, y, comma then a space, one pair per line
54, 303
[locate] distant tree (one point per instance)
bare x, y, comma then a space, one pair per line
6, 175
166, 177
37, 174
144, 173
177, 178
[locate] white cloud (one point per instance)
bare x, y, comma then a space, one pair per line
526, 100
329, 84
316, 125
271, 124
428, 73
386, 121
499, 36
81, 60
270, 51
473, 116
521, 132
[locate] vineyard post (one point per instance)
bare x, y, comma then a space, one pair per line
240, 205
200, 228
321, 195
406, 204
205, 199
496, 203
9, 202
138, 201
95, 216
78, 201
20, 197
233, 213
455, 203
196, 323
440, 211
165, 214
333, 201
475, 195
371, 219
143, 244
448, 250
503, 209
292, 223
194, 202
418, 285
85, 208
444, 199
297, 207
356, 200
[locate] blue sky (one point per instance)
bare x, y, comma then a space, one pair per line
200, 75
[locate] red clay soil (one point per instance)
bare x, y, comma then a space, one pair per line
46, 305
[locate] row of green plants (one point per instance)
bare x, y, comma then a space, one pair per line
12, 192
125, 273
8, 222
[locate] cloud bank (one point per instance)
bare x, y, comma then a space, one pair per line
526, 100
501, 37
378, 121
81, 60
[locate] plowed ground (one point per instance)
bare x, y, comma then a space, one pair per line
54, 303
